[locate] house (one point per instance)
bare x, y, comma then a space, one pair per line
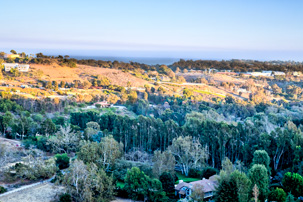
276, 73
243, 90
11, 56
296, 73
265, 73
165, 78
166, 105
103, 104
24, 86
184, 189
20, 67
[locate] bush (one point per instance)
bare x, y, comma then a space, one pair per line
2, 190
293, 183
194, 173
208, 172
277, 194
62, 161
65, 198
42, 144
29, 141
121, 166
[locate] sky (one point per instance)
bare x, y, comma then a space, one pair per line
198, 29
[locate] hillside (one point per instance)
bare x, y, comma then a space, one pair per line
55, 72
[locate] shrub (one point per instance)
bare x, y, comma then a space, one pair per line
194, 173
2, 190
208, 172
65, 198
62, 161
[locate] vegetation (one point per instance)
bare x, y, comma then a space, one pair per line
155, 136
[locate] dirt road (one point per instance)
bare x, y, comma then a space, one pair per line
40, 193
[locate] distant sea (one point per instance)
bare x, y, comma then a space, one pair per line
145, 60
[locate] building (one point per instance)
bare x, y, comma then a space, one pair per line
103, 104
166, 105
165, 78
296, 73
266, 73
243, 90
11, 56
20, 67
276, 73
184, 189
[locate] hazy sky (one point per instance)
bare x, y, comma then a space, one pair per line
215, 29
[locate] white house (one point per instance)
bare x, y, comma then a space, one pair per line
184, 189
20, 67
276, 73
266, 73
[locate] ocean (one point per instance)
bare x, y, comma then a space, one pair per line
145, 60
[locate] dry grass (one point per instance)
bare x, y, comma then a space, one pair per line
82, 72
40, 193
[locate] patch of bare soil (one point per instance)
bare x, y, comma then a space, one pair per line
41, 193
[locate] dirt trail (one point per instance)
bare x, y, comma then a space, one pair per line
5, 140
41, 193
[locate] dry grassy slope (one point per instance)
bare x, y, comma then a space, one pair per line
41, 193
216, 77
58, 73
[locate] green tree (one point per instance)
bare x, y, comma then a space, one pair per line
227, 191
136, 183
155, 191
293, 183
261, 157
258, 175
7, 119
243, 184
48, 127
13, 52
277, 195
167, 182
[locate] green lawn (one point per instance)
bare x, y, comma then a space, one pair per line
208, 93
185, 179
